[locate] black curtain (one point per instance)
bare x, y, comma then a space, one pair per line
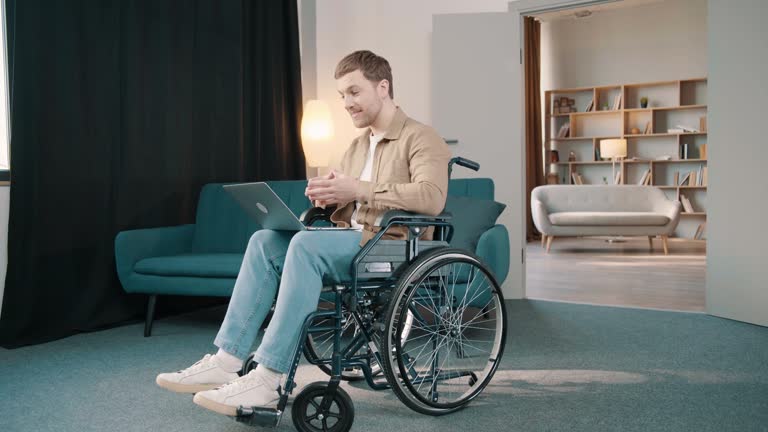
120, 112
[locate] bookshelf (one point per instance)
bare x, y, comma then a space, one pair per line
667, 138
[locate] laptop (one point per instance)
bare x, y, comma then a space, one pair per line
265, 207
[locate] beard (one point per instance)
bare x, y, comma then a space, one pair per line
366, 117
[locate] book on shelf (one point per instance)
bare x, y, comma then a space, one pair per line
577, 178
617, 102
590, 105
676, 180
645, 179
685, 128
684, 151
675, 131
617, 177
687, 207
564, 130
698, 176
685, 179
704, 176
647, 129
700, 231
692, 179
703, 151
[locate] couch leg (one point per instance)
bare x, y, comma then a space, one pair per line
549, 242
150, 315
664, 243
650, 242
543, 240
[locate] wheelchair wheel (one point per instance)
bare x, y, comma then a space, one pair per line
319, 346
449, 352
308, 415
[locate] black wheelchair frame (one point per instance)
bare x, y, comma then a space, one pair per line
346, 299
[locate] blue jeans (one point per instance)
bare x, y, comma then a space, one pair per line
298, 264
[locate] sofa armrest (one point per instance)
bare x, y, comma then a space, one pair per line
134, 245
670, 209
493, 249
540, 217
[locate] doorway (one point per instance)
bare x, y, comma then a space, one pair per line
614, 70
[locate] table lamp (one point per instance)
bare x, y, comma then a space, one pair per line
614, 149
316, 133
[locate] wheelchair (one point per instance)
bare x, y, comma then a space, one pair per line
419, 317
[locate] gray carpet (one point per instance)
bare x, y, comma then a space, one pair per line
567, 367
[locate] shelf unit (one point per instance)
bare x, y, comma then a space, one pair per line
670, 104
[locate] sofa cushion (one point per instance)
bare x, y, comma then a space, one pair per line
471, 218
218, 265
608, 218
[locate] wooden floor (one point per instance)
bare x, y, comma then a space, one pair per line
591, 270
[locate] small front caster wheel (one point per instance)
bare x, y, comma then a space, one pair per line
308, 415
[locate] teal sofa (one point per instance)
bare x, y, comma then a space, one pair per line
204, 258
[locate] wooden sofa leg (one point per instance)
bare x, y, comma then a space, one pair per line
543, 240
150, 315
664, 243
549, 242
650, 242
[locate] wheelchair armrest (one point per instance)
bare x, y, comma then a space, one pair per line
403, 216
314, 214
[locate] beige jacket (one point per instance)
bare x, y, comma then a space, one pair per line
410, 172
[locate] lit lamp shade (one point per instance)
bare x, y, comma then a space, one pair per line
316, 133
613, 148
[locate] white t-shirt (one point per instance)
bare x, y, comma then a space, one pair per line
366, 175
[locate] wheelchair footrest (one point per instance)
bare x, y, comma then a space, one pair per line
255, 416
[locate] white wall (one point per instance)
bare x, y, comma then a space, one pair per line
737, 274
5, 198
398, 30
652, 42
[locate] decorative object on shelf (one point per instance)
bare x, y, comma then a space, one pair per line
605, 107
613, 148
552, 178
564, 106
571, 156
634, 131
605, 180
643, 102
554, 156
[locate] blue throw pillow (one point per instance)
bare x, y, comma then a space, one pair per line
471, 218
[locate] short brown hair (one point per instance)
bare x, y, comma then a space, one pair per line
373, 67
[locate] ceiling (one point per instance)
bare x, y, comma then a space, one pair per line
594, 9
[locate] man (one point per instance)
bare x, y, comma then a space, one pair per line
397, 163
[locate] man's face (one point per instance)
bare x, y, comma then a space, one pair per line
362, 98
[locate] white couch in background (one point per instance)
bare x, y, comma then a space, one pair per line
603, 210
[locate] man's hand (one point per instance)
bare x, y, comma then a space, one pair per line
334, 188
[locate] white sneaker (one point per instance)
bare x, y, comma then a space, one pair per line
206, 374
247, 391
